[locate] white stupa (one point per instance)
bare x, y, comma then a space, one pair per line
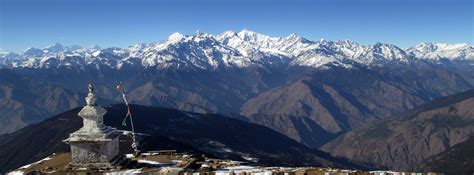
95, 145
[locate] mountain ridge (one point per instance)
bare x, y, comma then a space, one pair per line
404, 141
455, 160
166, 128
232, 49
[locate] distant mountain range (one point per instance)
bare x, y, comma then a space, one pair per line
236, 50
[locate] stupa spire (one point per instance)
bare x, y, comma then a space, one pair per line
91, 99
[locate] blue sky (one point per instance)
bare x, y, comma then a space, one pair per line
121, 23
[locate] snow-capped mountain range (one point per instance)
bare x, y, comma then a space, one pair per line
232, 49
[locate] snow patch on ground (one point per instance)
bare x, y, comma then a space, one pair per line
150, 162
131, 171
129, 155
248, 158
29, 165
18, 172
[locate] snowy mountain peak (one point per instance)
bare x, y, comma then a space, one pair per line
380, 53
296, 38
425, 47
228, 33
225, 36
380, 45
437, 51
94, 47
34, 52
200, 34
175, 37
246, 32
251, 36
293, 35
432, 47
55, 48
6, 57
